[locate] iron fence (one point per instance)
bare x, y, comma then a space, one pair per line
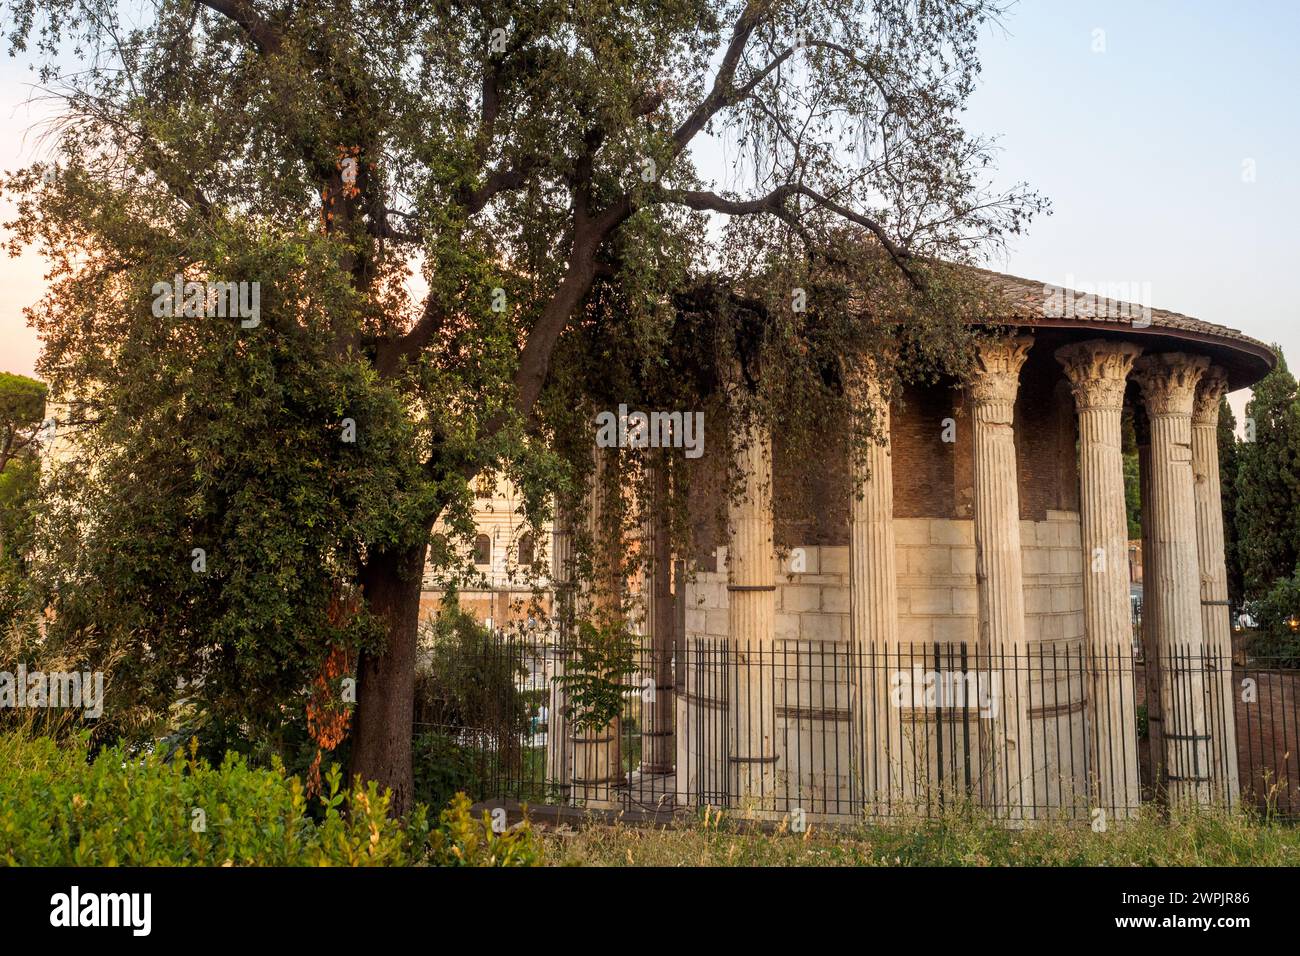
841, 732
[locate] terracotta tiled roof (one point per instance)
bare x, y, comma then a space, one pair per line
1032, 301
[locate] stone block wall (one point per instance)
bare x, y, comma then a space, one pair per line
822, 731
937, 597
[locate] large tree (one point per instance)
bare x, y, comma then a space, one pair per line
515, 154
1268, 483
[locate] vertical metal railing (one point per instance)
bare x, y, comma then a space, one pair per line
842, 732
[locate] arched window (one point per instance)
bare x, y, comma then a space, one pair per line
526, 556
482, 550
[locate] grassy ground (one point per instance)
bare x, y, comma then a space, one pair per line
1203, 840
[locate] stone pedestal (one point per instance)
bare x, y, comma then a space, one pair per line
751, 615
1098, 372
1168, 383
1007, 767
1216, 621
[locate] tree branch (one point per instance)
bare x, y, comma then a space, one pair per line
265, 37
774, 203
719, 95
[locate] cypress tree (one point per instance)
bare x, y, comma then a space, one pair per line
1229, 462
1268, 484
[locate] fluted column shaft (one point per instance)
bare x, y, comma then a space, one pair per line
1216, 622
1168, 382
559, 744
751, 616
657, 742
1098, 372
873, 596
1007, 774
1150, 612
597, 753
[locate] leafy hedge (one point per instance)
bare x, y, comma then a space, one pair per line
56, 808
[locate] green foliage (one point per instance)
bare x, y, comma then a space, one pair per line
22, 407
1268, 483
460, 840
470, 679
1277, 616
444, 766
468, 706
1132, 483
22, 410
1229, 465
514, 169
257, 477
1132, 496
19, 484
122, 809
596, 675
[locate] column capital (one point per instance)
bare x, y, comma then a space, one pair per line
1098, 371
996, 378
1168, 381
1211, 388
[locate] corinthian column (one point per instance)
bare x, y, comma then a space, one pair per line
873, 595
1098, 373
1155, 744
1007, 778
657, 747
1216, 623
751, 618
1168, 382
597, 758
559, 745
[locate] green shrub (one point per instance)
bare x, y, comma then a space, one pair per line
58, 809
444, 768
471, 678
119, 810
460, 840
595, 676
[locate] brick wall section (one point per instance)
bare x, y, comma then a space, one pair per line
925, 466
933, 478
1046, 436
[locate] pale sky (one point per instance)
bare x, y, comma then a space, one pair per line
1142, 121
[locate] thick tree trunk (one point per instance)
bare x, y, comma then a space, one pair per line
381, 735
